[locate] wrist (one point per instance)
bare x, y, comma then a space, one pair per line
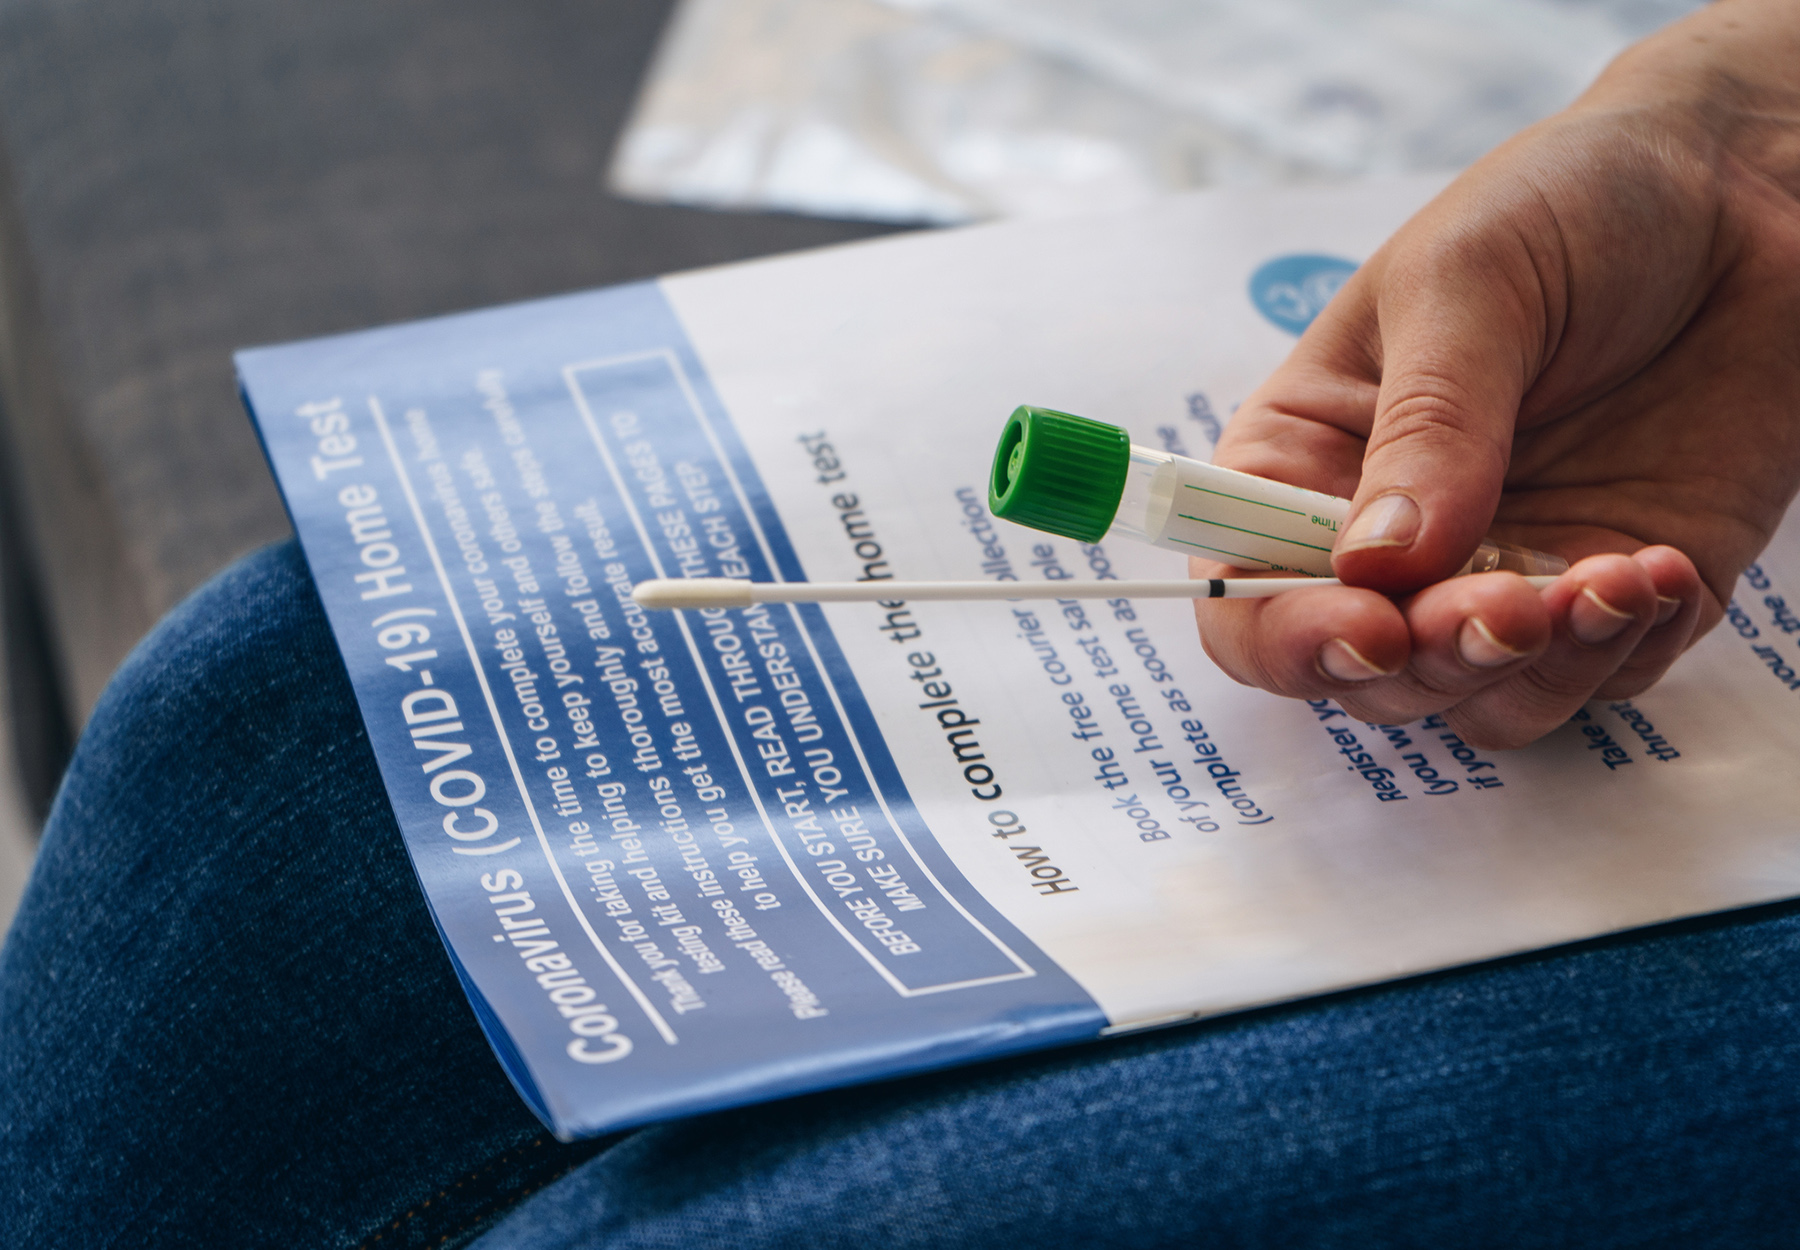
1724, 81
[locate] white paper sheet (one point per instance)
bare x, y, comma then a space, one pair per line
907, 357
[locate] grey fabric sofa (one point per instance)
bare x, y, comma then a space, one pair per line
177, 180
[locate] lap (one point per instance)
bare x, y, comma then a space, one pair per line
1634, 1092
225, 1017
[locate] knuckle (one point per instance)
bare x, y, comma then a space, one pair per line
1434, 413
1399, 709
1500, 724
1234, 650
1487, 736
1399, 700
1632, 680
1442, 689
1554, 686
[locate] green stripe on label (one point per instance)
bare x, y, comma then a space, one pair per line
1257, 533
1259, 503
1236, 555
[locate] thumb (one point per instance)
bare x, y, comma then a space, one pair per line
1454, 366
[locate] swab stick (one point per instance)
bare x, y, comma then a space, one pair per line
731, 592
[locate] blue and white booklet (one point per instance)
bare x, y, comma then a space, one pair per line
685, 861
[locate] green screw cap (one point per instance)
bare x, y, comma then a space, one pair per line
1058, 472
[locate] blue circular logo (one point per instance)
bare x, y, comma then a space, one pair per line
1291, 290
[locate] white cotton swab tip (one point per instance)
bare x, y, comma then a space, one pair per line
695, 592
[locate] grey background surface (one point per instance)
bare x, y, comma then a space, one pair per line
179, 180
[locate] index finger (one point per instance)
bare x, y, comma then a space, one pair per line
1306, 644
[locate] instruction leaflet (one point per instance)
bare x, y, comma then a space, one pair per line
684, 861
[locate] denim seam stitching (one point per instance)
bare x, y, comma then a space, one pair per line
538, 1141
476, 1219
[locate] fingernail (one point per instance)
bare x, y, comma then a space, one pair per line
1592, 620
1340, 661
1390, 521
1666, 608
1479, 648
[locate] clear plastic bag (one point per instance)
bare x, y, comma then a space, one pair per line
953, 110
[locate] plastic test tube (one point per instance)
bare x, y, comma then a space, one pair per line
1086, 480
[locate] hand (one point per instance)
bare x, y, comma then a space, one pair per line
1588, 344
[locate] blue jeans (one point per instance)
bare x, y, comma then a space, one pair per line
225, 1019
